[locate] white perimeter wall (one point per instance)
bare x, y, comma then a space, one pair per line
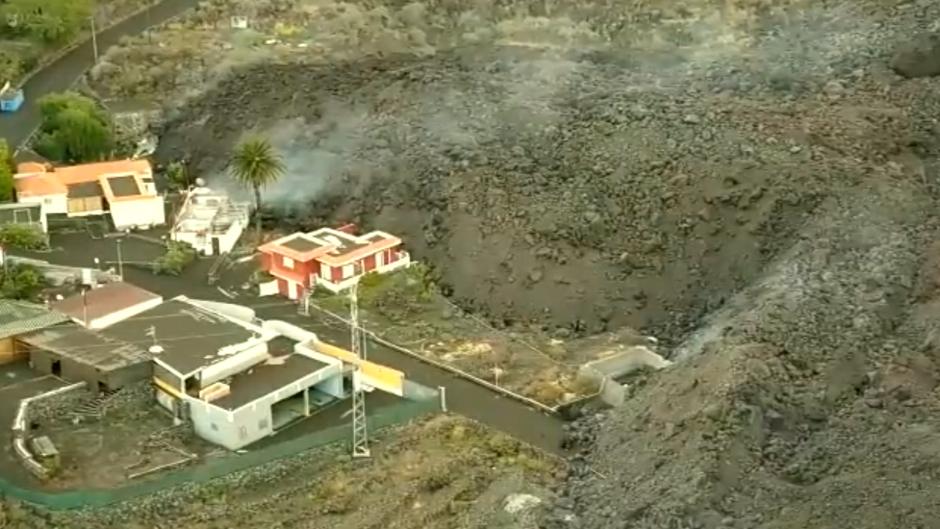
203, 243
138, 213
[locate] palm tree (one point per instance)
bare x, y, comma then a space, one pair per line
256, 164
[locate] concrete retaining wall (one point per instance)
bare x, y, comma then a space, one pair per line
623, 363
23, 417
612, 392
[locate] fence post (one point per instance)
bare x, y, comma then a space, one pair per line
442, 391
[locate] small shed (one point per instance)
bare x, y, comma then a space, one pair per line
46, 453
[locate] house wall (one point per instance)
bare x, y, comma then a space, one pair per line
79, 207
52, 204
332, 386
128, 375
163, 375
43, 219
403, 260
138, 213
299, 273
214, 424
10, 351
229, 239
121, 315
71, 370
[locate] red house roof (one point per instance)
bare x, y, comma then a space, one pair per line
330, 246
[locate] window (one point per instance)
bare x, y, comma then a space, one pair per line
263, 424
47, 201
348, 271
214, 426
242, 432
288, 262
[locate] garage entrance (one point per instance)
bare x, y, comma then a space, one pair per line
287, 411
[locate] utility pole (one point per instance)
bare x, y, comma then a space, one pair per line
94, 38
360, 444
120, 260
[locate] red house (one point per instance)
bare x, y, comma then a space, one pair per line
330, 258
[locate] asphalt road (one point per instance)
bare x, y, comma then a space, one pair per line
463, 397
66, 70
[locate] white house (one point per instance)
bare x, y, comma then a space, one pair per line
210, 222
243, 380
123, 189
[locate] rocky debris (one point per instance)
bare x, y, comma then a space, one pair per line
540, 165
763, 207
919, 57
773, 403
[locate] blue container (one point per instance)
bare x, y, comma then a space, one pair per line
11, 100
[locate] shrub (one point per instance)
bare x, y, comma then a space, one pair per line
177, 257
22, 236
399, 294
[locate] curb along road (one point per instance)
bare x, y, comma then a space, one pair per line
65, 70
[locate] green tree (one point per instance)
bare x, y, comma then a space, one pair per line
52, 21
21, 281
7, 169
177, 175
256, 164
73, 129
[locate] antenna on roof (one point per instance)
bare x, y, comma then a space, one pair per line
152, 332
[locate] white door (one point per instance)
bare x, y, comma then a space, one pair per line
293, 290
265, 289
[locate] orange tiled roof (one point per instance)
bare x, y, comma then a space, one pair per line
40, 184
31, 167
90, 172
53, 180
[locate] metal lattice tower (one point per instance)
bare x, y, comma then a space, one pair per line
360, 443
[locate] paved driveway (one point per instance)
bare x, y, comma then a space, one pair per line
63, 73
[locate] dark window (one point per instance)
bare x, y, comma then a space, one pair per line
57, 368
